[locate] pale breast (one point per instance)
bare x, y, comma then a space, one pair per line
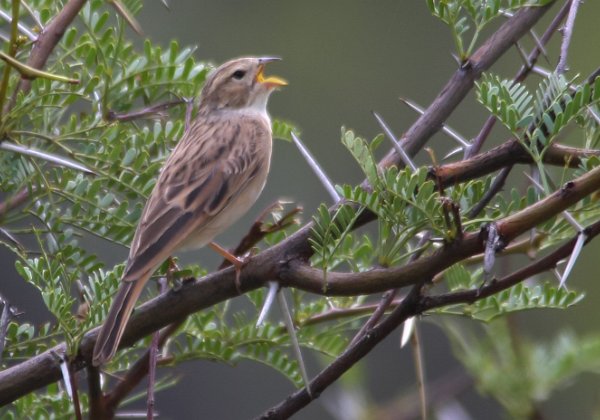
241, 202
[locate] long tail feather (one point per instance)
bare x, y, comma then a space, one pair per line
114, 325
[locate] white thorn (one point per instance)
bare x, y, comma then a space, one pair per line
59, 160
273, 287
449, 131
289, 325
581, 238
64, 368
405, 158
317, 169
407, 331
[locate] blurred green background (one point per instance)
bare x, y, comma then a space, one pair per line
344, 59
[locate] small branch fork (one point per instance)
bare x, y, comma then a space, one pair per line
414, 304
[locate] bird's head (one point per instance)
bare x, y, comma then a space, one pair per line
239, 84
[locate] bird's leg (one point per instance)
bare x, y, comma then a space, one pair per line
237, 262
171, 279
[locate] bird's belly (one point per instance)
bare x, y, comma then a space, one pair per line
228, 216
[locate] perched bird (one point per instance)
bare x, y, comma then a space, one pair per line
212, 177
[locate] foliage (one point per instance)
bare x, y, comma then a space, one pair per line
536, 120
92, 124
470, 17
519, 372
518, 298
82, 122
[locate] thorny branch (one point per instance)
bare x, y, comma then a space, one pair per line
412, 305
48, 39
286, 261
567, 33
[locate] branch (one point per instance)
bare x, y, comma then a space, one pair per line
260, 229
567, 33
32, 73
282, 261
346, 360
544, 264
504, 155
13, 202
463, 80
48, 39
137, 372
491, 192
413, 305
523, 72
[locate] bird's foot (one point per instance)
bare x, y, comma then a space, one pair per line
237, 262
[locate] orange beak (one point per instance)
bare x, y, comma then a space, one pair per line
271, 81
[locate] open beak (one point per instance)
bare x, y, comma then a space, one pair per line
271, 81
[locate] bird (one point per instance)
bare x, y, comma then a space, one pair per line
212, 177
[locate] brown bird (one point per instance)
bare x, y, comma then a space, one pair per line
212, 177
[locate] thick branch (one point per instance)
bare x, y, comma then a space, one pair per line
507, 154
281, 262
543, 264
463, 80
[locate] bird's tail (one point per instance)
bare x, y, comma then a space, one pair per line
109, 337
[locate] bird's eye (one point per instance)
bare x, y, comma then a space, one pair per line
238, 74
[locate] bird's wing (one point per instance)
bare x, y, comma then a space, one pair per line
213, 163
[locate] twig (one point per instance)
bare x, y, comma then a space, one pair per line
284, 261
529, 65
508, 153
567, 34
496, 186
137, 372
95, 394
7, 313
412, 305
75, 390
260, 229
12, 50
282, 258
337, 313
419, 370
153, 353
389, 296
13, 202
462, 81
28, 72
47, 40
346, 360
147, 112
544, 264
